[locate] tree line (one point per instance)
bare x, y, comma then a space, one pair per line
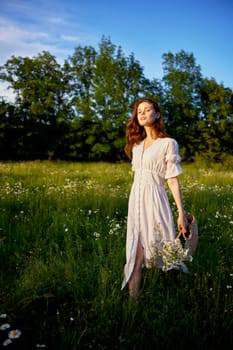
78, 110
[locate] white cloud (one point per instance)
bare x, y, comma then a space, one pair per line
70, 38
11, 32
27, 29
56, 20
6, 93
17, 41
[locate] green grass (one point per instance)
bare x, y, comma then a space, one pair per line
62, 252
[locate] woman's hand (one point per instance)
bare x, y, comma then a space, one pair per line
182, 223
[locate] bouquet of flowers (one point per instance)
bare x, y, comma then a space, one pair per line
172, 255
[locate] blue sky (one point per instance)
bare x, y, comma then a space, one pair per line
147, 28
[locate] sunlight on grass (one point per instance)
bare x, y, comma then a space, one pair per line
62, 248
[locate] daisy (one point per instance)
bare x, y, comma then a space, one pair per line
14, 334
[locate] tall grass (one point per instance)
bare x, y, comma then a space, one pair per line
62, 252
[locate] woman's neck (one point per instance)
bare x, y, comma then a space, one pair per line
150, 133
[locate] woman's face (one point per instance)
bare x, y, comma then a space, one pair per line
146, 114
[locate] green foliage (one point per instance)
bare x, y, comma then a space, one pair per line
80, 72
79, 110
216, 120
182, 78
62, 253
41, 105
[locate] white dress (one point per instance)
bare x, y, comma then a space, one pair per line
149, 213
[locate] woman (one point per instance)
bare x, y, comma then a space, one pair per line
155, 158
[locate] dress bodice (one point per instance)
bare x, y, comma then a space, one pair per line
160, 158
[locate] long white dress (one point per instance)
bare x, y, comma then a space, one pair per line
149, 213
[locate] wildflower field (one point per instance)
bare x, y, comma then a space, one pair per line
62, 253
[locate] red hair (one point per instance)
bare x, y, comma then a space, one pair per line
135, 133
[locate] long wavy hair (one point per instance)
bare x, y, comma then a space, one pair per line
135, 133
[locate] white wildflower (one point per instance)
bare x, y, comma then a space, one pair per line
4, 326
7, 342
14, 334
96, 235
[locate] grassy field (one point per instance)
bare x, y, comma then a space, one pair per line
62, 252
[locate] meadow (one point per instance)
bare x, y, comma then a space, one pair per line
62, 253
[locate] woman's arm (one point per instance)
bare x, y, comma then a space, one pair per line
173, 184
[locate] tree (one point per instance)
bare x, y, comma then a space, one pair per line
80, 70
11, 132
216, 121
182, 79
104, 85
118, 81
79, 110
41, 101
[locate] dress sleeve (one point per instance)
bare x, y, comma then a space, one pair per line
173, 160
